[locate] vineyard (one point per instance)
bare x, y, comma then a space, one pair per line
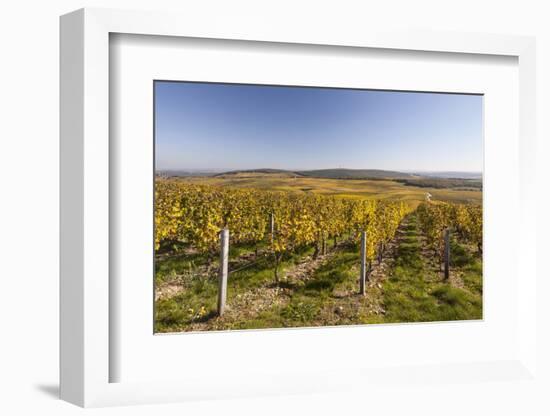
465, 220
305, 259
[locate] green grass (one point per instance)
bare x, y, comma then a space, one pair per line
309, 302
313, 302
177, 265
199, 299
415, 293
174, 262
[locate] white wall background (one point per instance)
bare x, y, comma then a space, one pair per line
29, 205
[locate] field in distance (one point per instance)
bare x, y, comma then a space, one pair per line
404, 188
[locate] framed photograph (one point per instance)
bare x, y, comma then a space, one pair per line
269, 212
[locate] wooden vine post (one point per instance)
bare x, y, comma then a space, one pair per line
362, 278
447, 253
276, 255
222, 277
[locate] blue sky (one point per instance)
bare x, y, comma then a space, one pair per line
231, 126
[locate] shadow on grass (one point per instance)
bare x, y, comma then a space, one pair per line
329, 275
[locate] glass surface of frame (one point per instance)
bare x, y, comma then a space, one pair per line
288, 206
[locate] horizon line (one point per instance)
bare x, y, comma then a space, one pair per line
308, 170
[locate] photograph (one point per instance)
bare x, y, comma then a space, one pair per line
294, 206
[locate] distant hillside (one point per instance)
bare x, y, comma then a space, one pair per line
322, 173
183, 173
443, 183
355, 174
451, 175
258, 172
425, 179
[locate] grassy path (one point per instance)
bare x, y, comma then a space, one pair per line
415, 292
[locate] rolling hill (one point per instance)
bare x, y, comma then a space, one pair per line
355, 174
323, 173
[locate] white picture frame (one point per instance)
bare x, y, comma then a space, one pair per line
86, 356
